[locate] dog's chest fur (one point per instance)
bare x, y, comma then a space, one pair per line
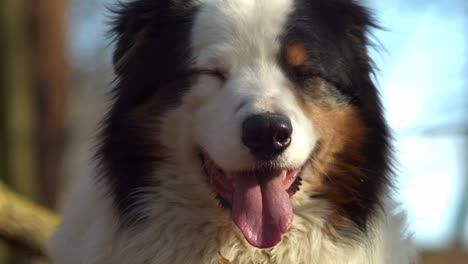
180, 231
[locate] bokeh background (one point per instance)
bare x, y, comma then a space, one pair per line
55, 73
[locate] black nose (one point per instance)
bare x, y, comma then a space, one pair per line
266, 135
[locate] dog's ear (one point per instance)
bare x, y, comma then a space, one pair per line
353, 22
348, 17
126, 26
152, 45
152, 53
130, 22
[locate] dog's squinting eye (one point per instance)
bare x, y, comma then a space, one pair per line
217, 73
301, 73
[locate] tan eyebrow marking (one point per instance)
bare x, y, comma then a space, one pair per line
296, 55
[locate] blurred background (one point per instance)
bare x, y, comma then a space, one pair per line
54, 77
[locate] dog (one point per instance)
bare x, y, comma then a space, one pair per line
241, 131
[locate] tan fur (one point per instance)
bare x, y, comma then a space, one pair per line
295, 55
331, 171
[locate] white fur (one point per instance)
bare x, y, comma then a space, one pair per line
185, 223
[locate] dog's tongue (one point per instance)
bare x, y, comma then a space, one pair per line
261, 207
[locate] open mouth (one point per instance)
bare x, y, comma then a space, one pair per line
259, 200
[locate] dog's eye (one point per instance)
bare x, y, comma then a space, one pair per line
301, 73
217, 73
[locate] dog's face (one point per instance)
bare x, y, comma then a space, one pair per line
250, 112
268, 103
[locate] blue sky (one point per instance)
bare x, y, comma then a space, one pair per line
424, 84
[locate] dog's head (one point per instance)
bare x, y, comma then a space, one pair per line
270, 105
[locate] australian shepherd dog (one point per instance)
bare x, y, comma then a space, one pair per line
241, 131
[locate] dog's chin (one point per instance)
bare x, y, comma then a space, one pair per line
259, 199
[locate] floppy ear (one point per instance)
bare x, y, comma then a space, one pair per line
128, 29
152, 45
357, 23
353, 22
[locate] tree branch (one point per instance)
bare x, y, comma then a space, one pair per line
24, 223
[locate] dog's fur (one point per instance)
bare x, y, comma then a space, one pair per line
188, 74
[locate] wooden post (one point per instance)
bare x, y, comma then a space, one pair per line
16, 103
50, 82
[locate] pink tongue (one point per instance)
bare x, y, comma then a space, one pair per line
261, 207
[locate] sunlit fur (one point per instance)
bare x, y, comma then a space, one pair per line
188, 74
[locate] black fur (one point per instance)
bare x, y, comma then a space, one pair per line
151, 59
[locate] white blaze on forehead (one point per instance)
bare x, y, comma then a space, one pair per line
241, 30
